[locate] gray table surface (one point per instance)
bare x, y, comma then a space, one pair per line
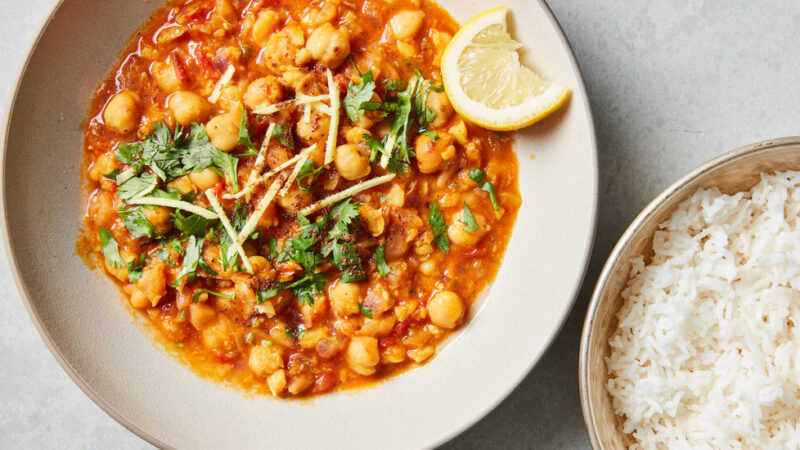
671, 83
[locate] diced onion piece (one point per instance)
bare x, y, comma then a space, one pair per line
333, 131
212, 199
258, 165
223, 80
125, 175
262, 206
286, 104
297, 167
172, 203
352, 190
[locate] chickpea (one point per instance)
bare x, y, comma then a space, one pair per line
316, 16
188, 107
352, 161
313, 129
139, 300
344, 298
295, 199
373, 218
459, 236
265, 25
277, 382
265, 360
223, 131
160, 218
446, 309
122, 112
183, 184
282, 48
406, 24
163, 72
153, 282
201, 315
204, 179
263, 91
362, 355
218, 336
104, 164
102, 209
430, 151
328, 45
355, 135
440, 104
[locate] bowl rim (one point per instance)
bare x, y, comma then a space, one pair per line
85, 387
674, 189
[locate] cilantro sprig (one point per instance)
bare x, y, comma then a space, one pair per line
110, 248
469, 222
172, 154
478, 176
359, 97
439, 228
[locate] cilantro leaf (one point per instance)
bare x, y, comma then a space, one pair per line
196, 296
364, 310
284, 135
136, 222
380, 260
489, 187
395, 85
201, 153
191, 260
477, 175
163, 254
136, 268
244, 134
470, 224
192, 224
309, 170
110, 248
357, 95
433, 136
135, 185
439, 228
273, 247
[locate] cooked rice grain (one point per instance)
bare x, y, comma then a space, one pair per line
707, 354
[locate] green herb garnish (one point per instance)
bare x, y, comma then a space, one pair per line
470, 224
110, 248
380, 261
196, 296
358, 96
478, 176
439, 228
364, 310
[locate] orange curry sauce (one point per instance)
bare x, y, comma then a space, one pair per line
347, 334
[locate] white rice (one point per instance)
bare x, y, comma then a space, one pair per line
707, 351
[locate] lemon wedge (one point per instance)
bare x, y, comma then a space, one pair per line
486, 82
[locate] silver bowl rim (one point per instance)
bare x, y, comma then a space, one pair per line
675, 189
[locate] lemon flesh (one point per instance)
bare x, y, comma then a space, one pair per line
486, 82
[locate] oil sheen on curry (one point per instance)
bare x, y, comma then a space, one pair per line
284, 191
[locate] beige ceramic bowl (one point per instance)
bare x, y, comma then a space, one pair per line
737, 170
80, 315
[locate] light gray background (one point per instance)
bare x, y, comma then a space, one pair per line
672, 84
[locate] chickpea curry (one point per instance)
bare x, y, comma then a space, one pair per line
284, 191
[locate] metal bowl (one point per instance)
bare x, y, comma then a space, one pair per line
734, 171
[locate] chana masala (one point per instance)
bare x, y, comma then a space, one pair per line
283, 189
